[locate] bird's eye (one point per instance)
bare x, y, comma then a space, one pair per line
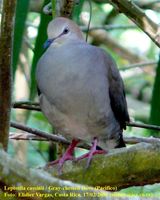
66, 30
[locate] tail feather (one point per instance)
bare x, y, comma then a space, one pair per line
121, 142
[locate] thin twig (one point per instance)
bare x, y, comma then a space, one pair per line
147, 126
27, 105
31, 137
109, 27
51, 137
39, 132
142, 64
27, 136
56, 138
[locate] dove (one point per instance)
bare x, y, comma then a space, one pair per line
81, 91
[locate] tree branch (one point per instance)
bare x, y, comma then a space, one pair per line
30, 137
147, 126
42, 184
26, 105
135, 65
5, 69
63, 8
51, 137
41, 135
131, 10
108, 27
137, 165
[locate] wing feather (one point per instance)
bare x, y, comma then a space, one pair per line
117, 93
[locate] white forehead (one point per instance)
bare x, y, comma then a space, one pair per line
58, 24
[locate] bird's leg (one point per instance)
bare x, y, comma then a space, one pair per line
68, 155
91, 153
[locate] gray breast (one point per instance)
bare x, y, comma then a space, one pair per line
75, 92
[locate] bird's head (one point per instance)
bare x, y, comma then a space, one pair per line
62, 30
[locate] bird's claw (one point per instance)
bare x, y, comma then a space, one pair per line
89, 156
60, 162
67, 156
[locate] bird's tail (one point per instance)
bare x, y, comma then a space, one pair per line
120, 142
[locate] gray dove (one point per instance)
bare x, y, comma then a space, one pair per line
81, 91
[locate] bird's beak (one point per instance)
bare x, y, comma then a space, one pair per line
48, 43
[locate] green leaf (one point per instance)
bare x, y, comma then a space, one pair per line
41, 37
77, 11
20, 19
155, 103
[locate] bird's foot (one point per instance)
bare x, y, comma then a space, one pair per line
60, 162
86, 155
93, 151
66, 156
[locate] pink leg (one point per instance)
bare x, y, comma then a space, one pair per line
66, 156
91, 153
